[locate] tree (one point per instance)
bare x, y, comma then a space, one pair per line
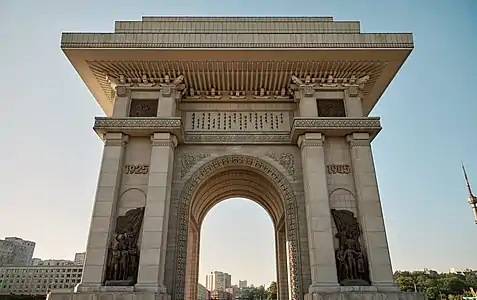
437, 286
272, 291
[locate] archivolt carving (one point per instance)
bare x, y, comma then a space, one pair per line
291, 217
287, 160
188, 160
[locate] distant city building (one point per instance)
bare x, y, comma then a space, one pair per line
40, 279
220, 295
15, 251
41, 276
232, 291
218, 281
79, 258
242, 284
202, 292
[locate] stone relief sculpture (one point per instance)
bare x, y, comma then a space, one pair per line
123, 256
351, 260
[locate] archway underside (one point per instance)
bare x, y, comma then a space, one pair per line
235, 182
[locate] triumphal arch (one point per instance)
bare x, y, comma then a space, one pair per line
201, 109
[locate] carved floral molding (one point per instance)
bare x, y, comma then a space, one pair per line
291, 217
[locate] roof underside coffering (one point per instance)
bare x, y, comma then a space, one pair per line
232, 54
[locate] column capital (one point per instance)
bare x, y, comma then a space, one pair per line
119, 85
358, 139
306, 87
168, 86
164, 139
311, 140
115, 139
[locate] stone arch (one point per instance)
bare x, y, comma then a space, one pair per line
131, 198
283, 190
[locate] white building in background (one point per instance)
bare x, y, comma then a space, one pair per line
242, 284
218, 281
15, 251
41, 276
79, 258
40, 279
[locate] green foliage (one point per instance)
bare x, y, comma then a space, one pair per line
437, 286
272, 291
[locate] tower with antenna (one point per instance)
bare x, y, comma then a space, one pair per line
471, 198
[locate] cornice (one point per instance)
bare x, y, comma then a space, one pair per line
231, 40
325, 126
139, 126
335, 126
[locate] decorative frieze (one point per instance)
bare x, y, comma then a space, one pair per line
335, 126
327, 126
189, 160
252, 121
237, 138
286, 160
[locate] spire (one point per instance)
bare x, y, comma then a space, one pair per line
471, 199
469, 190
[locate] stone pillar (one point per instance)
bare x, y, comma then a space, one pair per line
167, 99
308, 106
104, 212
320, 237
121, 102
370, 213
156, 215
352, 102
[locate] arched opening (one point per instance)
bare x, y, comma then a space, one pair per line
238, 177
237, 236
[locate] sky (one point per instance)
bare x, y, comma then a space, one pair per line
50, 156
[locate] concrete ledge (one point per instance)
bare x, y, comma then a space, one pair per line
366, 296
107, 296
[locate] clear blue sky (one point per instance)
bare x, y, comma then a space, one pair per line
50, 155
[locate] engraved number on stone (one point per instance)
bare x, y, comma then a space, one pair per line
338, 169
136, 169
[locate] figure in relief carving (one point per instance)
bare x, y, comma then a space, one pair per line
351, 261
123, 257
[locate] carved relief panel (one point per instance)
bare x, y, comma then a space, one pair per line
251, 121
145, 108
123, 254
331, 108
351, 258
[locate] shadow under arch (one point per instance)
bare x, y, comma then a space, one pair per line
238, 176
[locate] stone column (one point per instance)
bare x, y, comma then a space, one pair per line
156, 215
370, 213
104, 212
121, 102
320, 237
352, 102
307, 106
167, 100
